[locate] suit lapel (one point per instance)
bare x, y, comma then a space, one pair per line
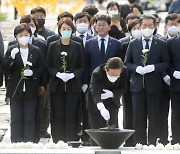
30, 54
152, 48
108, 47
96, 48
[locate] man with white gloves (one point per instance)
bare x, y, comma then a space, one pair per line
108, 83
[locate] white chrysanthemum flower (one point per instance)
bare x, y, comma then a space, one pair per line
159, 146
145, 50
169, 147
28, 63
64, 53
176, 146
151, 147
50, 145
138, 146
61, 145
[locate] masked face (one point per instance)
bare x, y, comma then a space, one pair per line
173, 31
113, 74
112, 78
82, 27
40, 22
24, 40
136, 33
112, 12
33, 29
66, 33
147, 32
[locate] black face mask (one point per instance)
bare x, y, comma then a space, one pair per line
40, 22
131, 1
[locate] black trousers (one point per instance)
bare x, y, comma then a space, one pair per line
22, 119
128, 113
164, 112
175, 117
146, 106
63, 114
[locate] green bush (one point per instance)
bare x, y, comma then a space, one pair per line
3, 16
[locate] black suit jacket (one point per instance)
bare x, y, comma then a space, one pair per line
75, 63
99, 81
1, 59
157, 55
46, 33
15, 66
173, 49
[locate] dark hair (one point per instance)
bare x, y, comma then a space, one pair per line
38, 9
114, 63
178, 21
105, 18
147, 17
111, 4
172, 16
133, 24
81, 15
131, 16
20, 28
68, 22
65, 14
90, 9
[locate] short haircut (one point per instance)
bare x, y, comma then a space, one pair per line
157, 16
67, 22
27, 19
38, 9
90, 9
171, 17
131, 16
105, 18
132, 25
112, 3
81, 15
20, 28
147, 17
114, 63
65, 15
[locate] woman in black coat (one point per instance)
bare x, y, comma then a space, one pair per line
65, 63
25, 65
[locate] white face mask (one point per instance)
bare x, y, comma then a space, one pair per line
24, 40
82, 27
113, 12
147, 32
173, 31
136, 33
33, 29
112, 78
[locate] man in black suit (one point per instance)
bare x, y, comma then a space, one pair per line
146, 58
39, 14
173, 48
108, 83
99, 49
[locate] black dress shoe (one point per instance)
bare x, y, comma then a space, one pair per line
45, 135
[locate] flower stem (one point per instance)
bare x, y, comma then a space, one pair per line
17, 87
65, 86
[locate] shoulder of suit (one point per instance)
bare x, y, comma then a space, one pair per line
33, 47
40, 41
49, 31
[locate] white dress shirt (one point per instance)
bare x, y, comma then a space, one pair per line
106, 39
144, 42
24, 55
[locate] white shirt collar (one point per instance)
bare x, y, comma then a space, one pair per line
105, 38
78, 34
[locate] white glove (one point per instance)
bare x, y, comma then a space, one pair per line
14, 52
176, 74
149, 69
107, 94
104, 112
84, 87
61, 76
140, 70
69, 76
28, 72
167, 80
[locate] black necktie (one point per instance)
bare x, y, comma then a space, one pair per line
147, 43
81, 36
102, 48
